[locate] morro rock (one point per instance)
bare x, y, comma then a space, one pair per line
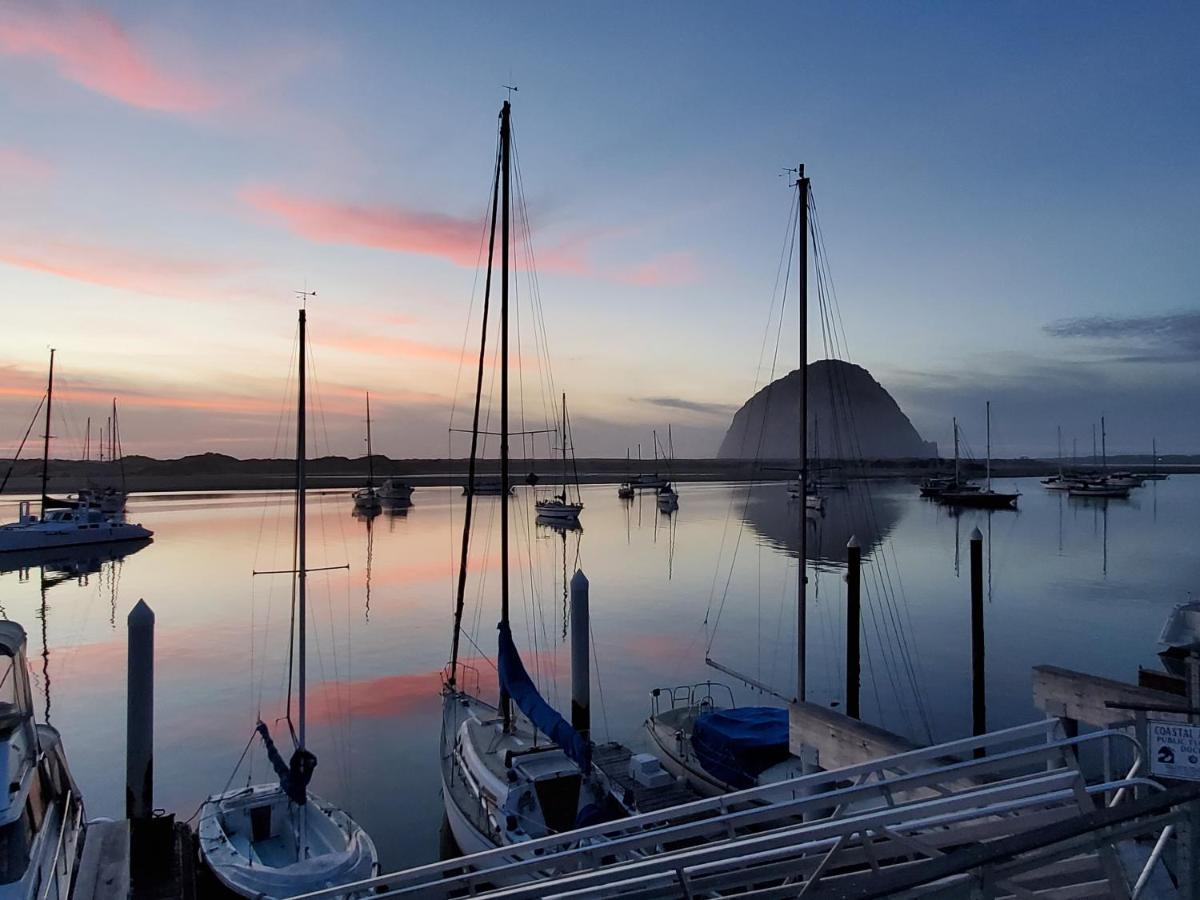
850, 416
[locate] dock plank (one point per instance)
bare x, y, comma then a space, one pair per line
104, 863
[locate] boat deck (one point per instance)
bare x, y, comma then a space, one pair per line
613, 760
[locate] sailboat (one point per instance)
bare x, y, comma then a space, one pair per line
1059, 482
63, 523
518, 770
560, 508
279, 840
986, 498
625, 490
703, 737
668, 497
934, 487
366, 499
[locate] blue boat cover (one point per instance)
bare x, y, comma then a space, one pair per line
735, 745
516, 681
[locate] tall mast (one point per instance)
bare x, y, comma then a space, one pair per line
1103, 446
46, 436
505, 140
564, 448
802, 586
301, 574
956, 451
1060, 474
1154, 455
370, 462
989, 445
87, 441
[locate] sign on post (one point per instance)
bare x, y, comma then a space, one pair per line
1174, 750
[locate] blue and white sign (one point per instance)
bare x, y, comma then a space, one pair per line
1174, 750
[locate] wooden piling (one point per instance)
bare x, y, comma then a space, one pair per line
139, 722
978, 670
581, 686
853, 625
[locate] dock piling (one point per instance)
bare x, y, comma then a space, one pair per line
581, 687
853, 625
978, 676
139, 723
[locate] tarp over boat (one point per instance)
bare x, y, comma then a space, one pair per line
516, 681
735, 745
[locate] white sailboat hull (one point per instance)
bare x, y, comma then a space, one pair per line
248, 841
559, 512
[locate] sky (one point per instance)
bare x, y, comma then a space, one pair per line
1008, 194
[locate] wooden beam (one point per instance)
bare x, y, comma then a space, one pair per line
1082, 697
838, 740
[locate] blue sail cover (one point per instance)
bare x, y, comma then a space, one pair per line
516, 681
735, 745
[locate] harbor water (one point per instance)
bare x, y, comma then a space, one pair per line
1080, 584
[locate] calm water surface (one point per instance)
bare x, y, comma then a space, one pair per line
1077, 584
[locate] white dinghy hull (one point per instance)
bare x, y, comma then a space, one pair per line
248, 842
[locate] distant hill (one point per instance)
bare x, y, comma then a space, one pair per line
850, 416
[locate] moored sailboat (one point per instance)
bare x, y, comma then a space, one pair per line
65, 523
516, 770
366, 499
561, 508
986, 498
279, 840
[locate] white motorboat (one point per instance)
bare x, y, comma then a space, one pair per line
66, 527
41, 813
277, 840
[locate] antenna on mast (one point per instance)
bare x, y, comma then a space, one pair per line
510, 88
303, 296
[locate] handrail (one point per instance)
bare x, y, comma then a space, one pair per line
62, 834
802, 791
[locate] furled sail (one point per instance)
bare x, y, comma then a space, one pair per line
520, 687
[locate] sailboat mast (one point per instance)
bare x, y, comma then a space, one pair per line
460, 596
370, 461
564, 446
1154, 455
802, 579
988, 407
1103, 445
87, 441
301, 574
955, 420
46, 436
1060, 471
505, 140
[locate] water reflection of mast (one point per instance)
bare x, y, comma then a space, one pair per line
370, 556
45, 645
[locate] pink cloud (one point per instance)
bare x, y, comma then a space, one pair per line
20, 166
91, 48
391, 227
114, 267
668, 270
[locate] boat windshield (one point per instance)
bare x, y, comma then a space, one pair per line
10, 709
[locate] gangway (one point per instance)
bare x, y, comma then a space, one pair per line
823, 831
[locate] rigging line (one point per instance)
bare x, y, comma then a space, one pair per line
21, 446
758, 452
599, 682
827, 293
785, 253
460, 596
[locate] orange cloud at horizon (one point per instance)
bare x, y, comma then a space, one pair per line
90, 48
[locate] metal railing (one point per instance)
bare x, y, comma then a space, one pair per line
1018, 756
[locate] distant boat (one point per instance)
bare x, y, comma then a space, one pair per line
986, 498
1099, 489
64, 523
668, 497
936, 485
278, 840
561, 508
395, 490
366, 499
486, 486
42, 810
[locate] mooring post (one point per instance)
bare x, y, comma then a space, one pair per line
139, 722
1189, 826
853, 625
978, 687
581, 685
